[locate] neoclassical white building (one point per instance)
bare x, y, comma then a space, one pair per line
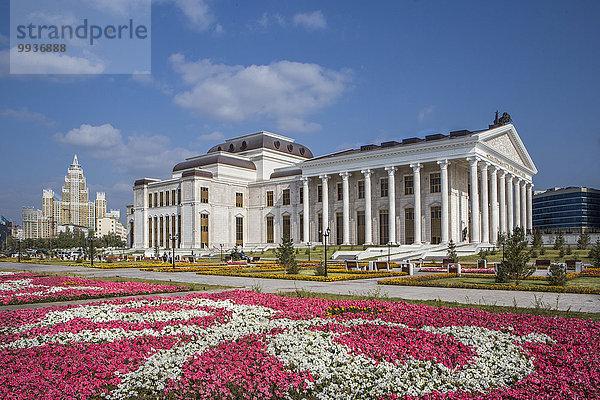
252, 190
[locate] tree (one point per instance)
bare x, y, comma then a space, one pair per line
584, 241
451, 253
517, 255
559, 241
595, 253
536, 240
286, 256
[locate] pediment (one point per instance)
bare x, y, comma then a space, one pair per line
507, 143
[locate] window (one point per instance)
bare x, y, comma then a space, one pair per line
301, 194
203, 230
287, 227
270, 229
149, 200
239, 231
173, 228
409, 187
286, 197
179, 239
340, 192
161, 198
179, 196
320, 227
155, 199
409, 225
436, 225
270, 200
361, 189
384, 227
435, 182
319, 193
384, 187
339, 228
173, 199
360, 227
167, 199
204, 195
150, 232
301, 223
239, 200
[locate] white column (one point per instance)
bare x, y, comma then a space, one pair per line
494, 204
523, 205
502, 186
445, 212
509, 204
417, 193
392, 203
485, 205
346, 199
368, 228
517, 203
325, 199
306, 207
474, 200
530, 207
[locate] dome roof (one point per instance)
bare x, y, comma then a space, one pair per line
263, 140
212, 159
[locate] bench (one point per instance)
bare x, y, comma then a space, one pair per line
447, 261
352, 265
380, 265
577, 265
255, 259
542, 263
481, 264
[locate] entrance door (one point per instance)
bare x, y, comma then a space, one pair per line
409, 225
360, 227
339, 228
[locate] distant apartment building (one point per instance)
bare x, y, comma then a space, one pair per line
569, 210
74, 209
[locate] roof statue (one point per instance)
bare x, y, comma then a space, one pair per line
503, 120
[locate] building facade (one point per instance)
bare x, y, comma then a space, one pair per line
568, 210
252, 190
74, 209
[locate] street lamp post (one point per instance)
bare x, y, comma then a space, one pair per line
325, 236
389, 246
173, 240
221, 252
308, 244
19, 241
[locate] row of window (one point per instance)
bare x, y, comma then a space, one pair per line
160, 231
166, 198
409, 229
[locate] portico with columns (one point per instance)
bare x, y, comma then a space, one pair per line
466, 187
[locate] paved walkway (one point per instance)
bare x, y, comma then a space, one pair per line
564, 301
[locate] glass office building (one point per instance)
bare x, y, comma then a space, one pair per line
572, 209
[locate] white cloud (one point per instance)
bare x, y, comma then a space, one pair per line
266, 19
132, 155
285, 91
88, 136
119, 7
211, 137
424, 113
52, 63
197, 12
24, 114
311, 21
143, 78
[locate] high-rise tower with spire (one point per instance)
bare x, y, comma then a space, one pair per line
73, 209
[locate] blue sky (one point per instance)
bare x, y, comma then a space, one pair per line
332, 75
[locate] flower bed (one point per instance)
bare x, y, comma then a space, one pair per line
258, 346
429, 280
345, 277
19, 288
